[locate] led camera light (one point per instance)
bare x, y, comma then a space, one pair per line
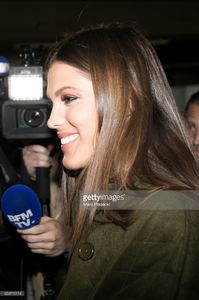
25, 83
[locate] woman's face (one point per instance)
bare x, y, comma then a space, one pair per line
74, 113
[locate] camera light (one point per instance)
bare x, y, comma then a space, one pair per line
4, 66
25, 83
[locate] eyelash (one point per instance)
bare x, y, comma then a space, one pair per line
67, 99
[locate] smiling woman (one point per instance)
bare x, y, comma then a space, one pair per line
121, 136
74, 113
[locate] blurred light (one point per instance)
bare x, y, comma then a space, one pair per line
25, 83
4, 66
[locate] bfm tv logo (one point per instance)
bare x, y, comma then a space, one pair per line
22, 220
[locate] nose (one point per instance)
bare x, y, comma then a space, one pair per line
56, 118
196, 137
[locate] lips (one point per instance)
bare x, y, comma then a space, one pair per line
70, 138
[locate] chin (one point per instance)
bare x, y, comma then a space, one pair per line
72, 166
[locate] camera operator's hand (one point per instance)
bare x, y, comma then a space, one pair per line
49, 237
36, 156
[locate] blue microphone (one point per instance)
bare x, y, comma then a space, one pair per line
21, 206
4, 66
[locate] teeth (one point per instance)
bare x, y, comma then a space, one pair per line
69, 139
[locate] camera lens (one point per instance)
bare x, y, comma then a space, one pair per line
34, 117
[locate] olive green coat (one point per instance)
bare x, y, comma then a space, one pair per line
155, 258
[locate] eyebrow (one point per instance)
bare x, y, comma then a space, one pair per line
57, 93
67, 88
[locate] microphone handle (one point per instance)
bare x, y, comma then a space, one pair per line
43, 188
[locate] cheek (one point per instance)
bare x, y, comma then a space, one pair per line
87, 126
85, 121
91, 126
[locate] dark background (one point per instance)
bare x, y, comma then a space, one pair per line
45, 21
172, 26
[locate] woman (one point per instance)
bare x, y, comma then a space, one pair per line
120, 131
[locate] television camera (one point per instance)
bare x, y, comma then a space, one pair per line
23, 109
25, 120
23, 115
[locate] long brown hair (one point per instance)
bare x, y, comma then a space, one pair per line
141, 134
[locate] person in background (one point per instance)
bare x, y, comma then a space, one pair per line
36, 156
40, 156
192, 122
48, 273
120, 132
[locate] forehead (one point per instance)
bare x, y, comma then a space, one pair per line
62, 74
61, 69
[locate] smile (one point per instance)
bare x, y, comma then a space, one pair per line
69, 139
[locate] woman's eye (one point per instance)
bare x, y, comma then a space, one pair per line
68, 99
